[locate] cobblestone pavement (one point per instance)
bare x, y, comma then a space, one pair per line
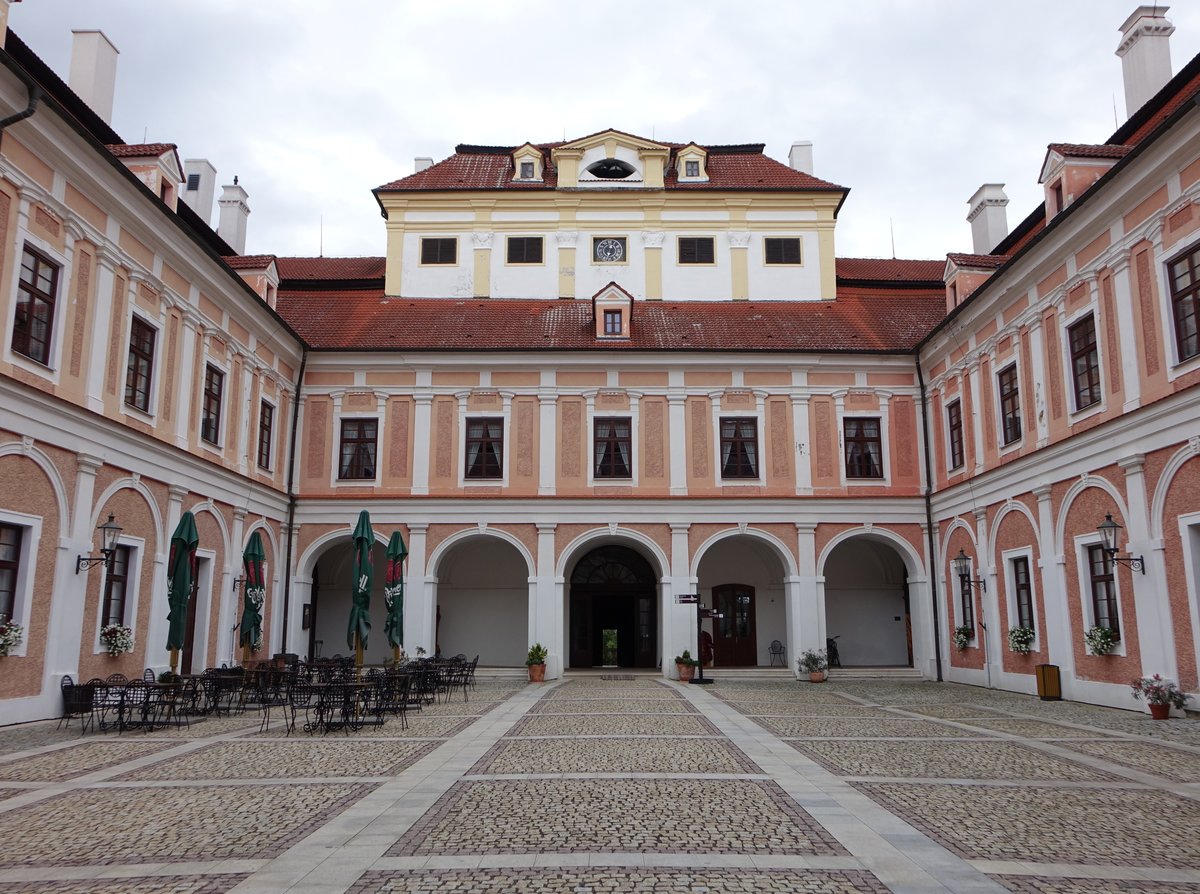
625, 784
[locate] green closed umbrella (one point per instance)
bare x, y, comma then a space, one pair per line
393, 592
360, 596
181, 573
255, 594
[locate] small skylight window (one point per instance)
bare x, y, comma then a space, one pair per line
611, 169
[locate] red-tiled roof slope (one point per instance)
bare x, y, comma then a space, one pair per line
248, 262
1088, 150
988, 262
140, 150
316, 269
890, 269
491, 167
366, 321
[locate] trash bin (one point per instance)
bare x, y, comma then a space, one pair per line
1049, 684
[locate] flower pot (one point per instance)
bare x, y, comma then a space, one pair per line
1160, 712
686, 672
816, 676
537, 673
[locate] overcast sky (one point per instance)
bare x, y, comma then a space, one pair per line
312, 104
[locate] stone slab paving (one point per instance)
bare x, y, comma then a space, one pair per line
614, 783
613, 755
616, 880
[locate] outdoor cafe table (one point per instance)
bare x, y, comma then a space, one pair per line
124, 697
338, 705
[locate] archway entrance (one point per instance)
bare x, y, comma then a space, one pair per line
483, 602
742, 578
867, 604
614, 611
332, 580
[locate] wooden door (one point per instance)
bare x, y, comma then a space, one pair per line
735, 637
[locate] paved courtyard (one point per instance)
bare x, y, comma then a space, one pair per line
604, 784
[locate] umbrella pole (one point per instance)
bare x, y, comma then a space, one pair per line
396, 654
174, 660
358, 651
245, 656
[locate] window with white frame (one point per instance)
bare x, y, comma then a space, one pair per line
1102, 590
863, 438
210, 404
116, 586
1183, 274
954, 435
1010, 404
1085, 362
1021, 580
359, 443
37, 293
266, 433
739, 447
484, 448
966, 603
139, 369
10, 569
612, 442
19, 538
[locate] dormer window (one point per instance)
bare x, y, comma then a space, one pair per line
1057, 192
612, 322
527, 163
612, 311
611, 169
689, 163
526, 170
691, 169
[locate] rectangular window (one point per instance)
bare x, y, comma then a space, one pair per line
1010, 404
526, 170
864, 448
612, 322
266, 433
193, 182
1104, 590
1085, 362
782, 250
613, 448
955, 428
10, 569
116, 585
691, 169
1023, 592
524, 249
696, 250
1185, 302
439, 251
966, 603
34, 321
739, 448
210, 408
140, 367
485, 448
358, 449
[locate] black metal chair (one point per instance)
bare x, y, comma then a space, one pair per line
77, 702
776, 650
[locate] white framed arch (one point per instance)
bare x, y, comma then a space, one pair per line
785, 555
1007, 508
1073, 492
611, 533
42, 460
440, 551
208, 508
912, 558
959, 522
308, 558
134, 484
268, 532
1158, 505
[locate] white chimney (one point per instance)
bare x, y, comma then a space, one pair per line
801, 156
420, 163
94, 71
199, 186
4, 6
234, 212
989, 220
1145, 52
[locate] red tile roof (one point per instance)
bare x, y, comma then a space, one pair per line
890, 269
988, 262
868, 321
248, 262
316, 269
741, 167
1088, 150
140, 150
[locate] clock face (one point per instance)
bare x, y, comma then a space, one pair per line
610, 250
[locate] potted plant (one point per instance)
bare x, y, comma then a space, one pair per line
1020, 639
962, 636
1161, 695
10, 637
1100, 640
536, 662
685, 664
117, 639
815, 662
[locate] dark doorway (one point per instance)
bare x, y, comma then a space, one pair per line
735, 636
613, 597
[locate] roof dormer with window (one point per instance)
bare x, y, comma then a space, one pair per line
612, 312
1071, 168
156, 165
611, 159
690, 164
527, 164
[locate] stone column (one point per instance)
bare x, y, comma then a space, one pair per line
804, 451
419, 614
679, 621
1037, 388
677, 426
422, 441
1058, 643
64, 631
230, 612
1128, 328
805, 598
1156, 636
545, 610
547, 436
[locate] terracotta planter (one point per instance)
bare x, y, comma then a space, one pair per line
816, 676
1160, 712
686, 672
537, 673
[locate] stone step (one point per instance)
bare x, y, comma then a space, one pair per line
874, 673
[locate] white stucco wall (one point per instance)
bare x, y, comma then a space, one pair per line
483, 593
864, 604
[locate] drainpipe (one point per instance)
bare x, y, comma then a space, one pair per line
291, 491
933, 595
35, 94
